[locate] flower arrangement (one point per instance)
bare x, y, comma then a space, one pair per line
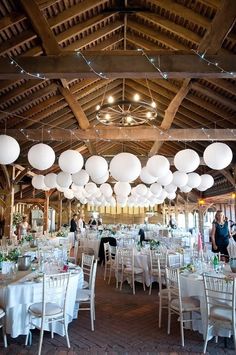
61, 234
11, 256
17, 218
154, 244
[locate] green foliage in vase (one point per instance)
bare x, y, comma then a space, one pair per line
12, 255
17, 218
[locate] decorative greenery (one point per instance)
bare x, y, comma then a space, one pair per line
17, 218
154, 244
61, 233
188, 267
11, 256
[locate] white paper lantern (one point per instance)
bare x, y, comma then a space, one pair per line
218, 156
121, 199
156, 189
100, 180
171, 196
122, 188
64, 179
186, 188
186, 160
38, 182
9, 149
41, 156
71, 161
80, 178
167, 179
171, 188
106, 190
207, 182
194, 180
163, 195
146, 177
180, 178
50, 180
69, 194
76, 188
96, 166
125, 167
83, 201
141, 189
90, 188
158, 166
61, 189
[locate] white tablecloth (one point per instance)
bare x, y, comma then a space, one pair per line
16, 298
93, 244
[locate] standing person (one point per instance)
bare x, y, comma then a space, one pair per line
220, 234
81, 224
23, 228
73, 223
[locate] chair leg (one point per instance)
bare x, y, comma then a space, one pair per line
66, 333
92, 316
133, 285
41, 339
169, 320
52, 334
144, 286
4, 337
109, 280
150, 289
160, 310
121, 280
182, 329
206, 340
105, 271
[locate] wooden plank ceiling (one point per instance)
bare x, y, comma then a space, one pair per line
32, 108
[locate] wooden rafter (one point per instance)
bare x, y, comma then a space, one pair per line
141, 133
120, 64
230, 178
171, 112
220, 27
6, 175
21, 175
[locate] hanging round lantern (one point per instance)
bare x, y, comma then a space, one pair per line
125, 167
171, 188
71, 161
50, 180
100, 180
38, 182
90, 188
158, 166
186, 160
218, 156
9, 149
171, 196
146, 177
41, 156
106, 190
186, 188
194, 180
156, 189
64, 179
180, 178
141, 190
69, 194
96, 166
122, 188
80, 178
166, 179
207, 182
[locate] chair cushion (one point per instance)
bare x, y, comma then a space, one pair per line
221, 313
51, 309
83, 295
188, 303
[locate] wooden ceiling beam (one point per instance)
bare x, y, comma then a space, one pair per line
142, 133
225, 85
221, 25
171, 112
119, 64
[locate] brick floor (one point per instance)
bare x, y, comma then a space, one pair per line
125, 324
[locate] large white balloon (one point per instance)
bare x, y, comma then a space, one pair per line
71, 161
218, 156
80, 178
180, 178
171, 196
207, 182
141, 189
50, 180
9, 149
38, 182
125, 167
158, 166
64, 179
156, 189
96, 166
186, 160
69, 194
166, 179
122, 188
100, 180
106, 190
90, 188
186, 188
41, 156
163, 195
194, 180
146, 177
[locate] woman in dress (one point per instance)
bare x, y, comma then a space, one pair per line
220, 234
23, 228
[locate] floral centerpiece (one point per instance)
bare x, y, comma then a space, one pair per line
17, 218
61, 234
11, 256
154, 244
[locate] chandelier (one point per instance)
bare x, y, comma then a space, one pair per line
126, 112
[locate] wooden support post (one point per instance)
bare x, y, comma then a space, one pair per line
45, 212
59, 210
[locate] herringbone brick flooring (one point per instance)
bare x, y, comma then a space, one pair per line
125, 324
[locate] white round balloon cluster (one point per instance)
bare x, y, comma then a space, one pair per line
125, 168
